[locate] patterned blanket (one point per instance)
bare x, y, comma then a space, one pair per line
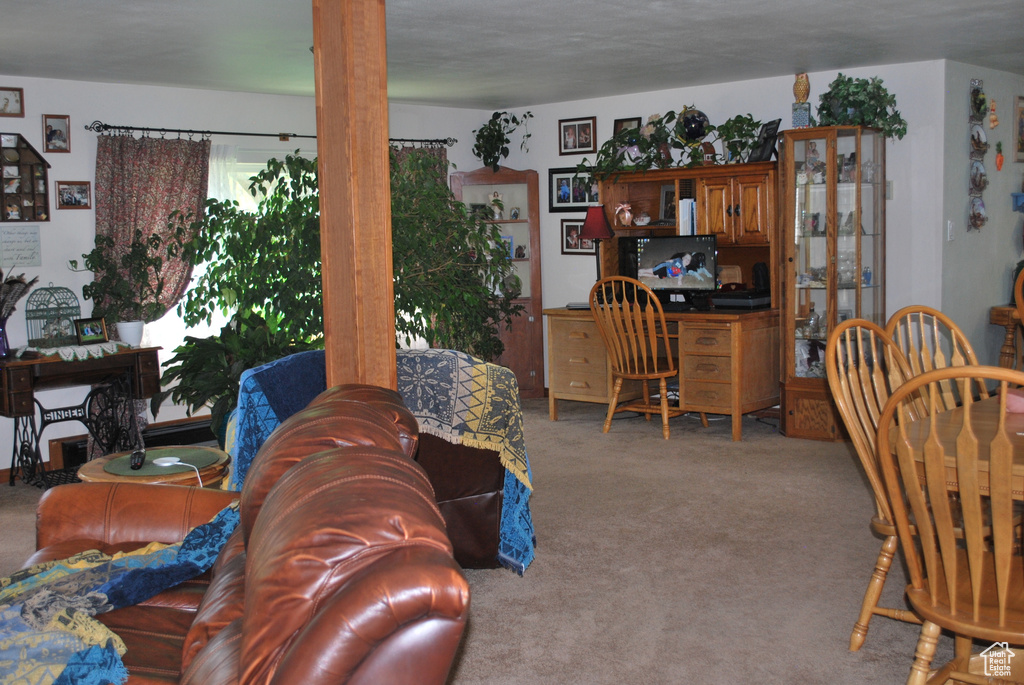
47, 630
466, 401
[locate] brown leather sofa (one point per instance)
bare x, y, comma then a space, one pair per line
340, 570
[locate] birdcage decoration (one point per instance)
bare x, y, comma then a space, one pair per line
50, 314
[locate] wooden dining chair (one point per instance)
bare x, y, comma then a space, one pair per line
631, 322
863, 365
1018, 294
950, 480
931, 340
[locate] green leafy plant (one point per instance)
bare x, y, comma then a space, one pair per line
492, 139
737, 134
128, 286
265, 261
861, 102
454, 281
208, 370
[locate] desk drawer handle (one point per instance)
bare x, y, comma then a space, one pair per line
707, 368
578, 360
583, 385
582, 335
707, 340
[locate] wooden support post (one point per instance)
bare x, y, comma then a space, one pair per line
350, 61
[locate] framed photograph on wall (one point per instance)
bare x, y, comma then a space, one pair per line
89, 331
74, 195
12, 102
625, 124
1018, 128
572, 243
56, 133
570, 191
577, 136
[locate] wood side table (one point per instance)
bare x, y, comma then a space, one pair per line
1006, 316
95, 471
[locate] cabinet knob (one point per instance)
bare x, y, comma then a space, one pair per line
736, 209
728, 210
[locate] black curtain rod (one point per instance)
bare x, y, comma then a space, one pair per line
100, 127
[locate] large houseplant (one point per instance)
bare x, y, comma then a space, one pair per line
492, 139
861, 102
263, 268
127, 285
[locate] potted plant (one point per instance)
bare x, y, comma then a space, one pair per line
861, 102
127, 287
492, 138
737, 134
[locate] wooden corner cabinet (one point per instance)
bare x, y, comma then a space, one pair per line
832, 189
518, 217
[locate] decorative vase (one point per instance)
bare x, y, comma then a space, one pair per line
131, 332
624, 213
801, 88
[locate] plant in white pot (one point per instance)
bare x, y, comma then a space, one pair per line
127, 287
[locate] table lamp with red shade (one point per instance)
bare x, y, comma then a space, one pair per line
596, 228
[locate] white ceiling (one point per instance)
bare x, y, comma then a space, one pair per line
498, 55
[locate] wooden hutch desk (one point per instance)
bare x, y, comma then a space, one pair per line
728, 361
129, 374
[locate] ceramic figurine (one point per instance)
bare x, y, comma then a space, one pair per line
624, 213
801, 88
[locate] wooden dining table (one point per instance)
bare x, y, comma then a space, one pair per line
984, 423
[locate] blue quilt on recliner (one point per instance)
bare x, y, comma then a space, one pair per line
452, 394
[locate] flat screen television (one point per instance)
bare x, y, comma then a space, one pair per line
680, 269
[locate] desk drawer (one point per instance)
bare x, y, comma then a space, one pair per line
708, 394
713, 341
707, 368
576, 337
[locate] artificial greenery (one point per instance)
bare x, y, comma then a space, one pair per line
861, 102
209, 369
492, 139
649, 147
454, 281
128, 287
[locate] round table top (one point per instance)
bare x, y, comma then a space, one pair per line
211, 462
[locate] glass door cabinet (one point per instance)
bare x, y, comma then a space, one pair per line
832, 182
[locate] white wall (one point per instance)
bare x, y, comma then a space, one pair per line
977, 266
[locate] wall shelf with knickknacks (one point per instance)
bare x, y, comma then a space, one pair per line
24, 195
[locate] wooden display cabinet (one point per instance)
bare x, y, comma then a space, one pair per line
24, 195
832, 188
519, 222
735, 203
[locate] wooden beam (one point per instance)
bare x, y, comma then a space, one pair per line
350, 61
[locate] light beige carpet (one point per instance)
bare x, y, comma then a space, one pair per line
692, 560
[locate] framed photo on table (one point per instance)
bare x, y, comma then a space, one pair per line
570, 191
12, 102
577, 136
89, 331
56, 133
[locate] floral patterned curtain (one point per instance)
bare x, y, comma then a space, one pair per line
139, 182
439, 151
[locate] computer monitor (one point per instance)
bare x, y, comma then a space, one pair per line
680, 269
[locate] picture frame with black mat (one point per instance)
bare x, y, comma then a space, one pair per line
764, 145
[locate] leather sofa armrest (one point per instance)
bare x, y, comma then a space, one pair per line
116, 513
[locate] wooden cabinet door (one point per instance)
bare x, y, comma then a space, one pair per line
714, 209
751, 207
522, 342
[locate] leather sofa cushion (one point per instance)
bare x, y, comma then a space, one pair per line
384, 399
305, 548
223, 603
335, 424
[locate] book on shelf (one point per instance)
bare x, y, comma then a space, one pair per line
687, 216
